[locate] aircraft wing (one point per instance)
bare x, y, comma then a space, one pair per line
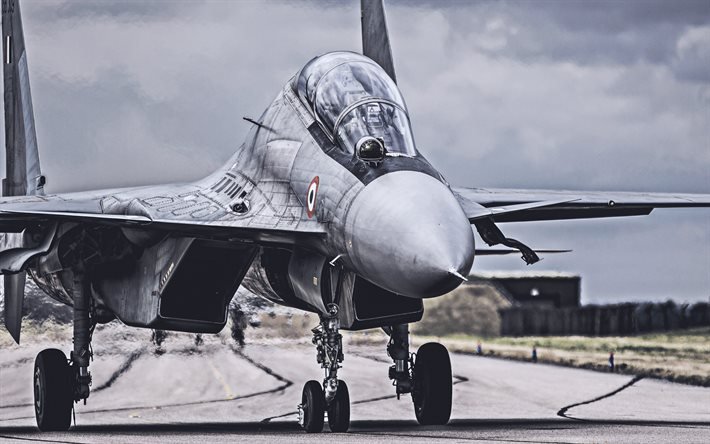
510, 205
188, 212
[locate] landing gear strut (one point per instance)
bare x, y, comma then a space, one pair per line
83, 330
426, 375
333, 396
59, 382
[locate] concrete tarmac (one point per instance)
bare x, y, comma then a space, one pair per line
216, 393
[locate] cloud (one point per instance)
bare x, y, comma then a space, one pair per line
693, 55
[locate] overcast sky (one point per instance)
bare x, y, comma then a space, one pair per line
576, 95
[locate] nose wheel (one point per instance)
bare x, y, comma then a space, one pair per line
311, 412
339, 410
312, 408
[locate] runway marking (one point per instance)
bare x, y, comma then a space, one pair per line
563, 411
220, 378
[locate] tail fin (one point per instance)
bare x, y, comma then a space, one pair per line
24, 176
375, 38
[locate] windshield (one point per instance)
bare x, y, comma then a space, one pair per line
353, 97
377, 119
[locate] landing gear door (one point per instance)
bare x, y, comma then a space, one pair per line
306, 271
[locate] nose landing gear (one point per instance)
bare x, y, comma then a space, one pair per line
333, 396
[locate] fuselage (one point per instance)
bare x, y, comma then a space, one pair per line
396, 223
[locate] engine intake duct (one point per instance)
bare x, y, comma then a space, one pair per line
201, 287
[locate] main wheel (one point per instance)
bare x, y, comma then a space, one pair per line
432, 385
339, 410
313, 405
53, 389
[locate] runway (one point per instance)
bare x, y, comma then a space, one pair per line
217, 393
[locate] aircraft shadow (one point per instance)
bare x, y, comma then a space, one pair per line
363, 426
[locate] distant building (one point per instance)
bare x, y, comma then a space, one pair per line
538, 289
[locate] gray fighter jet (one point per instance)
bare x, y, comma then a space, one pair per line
327, 207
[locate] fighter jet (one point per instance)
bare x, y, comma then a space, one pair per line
327, 207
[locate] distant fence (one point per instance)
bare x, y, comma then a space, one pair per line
603, 320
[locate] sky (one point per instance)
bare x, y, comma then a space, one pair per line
594, 95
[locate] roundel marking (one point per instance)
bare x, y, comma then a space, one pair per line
311, 195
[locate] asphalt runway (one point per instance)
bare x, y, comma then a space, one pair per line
215, 393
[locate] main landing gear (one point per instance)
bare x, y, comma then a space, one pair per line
59, 382
426, 375
332, 396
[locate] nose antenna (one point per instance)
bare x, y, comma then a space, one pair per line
453, 272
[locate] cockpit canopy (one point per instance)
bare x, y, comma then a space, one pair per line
353, 98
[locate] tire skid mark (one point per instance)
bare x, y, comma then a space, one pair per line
13, 406
285, 384
563, 411
164, 406
16, 363
17, 438
125, 366
265, 369
459, 378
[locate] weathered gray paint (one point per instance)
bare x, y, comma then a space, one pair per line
403, 229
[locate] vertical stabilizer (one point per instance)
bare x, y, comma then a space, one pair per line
23, 174
375, 38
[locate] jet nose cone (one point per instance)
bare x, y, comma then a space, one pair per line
407, 233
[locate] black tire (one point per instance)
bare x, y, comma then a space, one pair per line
432, 385
53, 391
313, 402
339, 410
